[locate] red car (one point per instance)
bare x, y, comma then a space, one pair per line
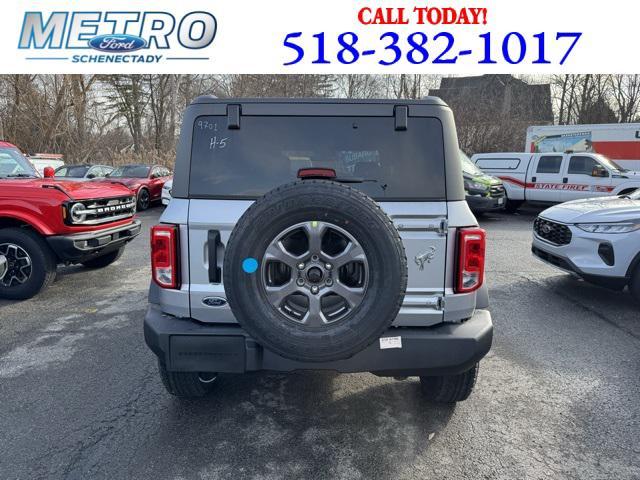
145, 180
45, 222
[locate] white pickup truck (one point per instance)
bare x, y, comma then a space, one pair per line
556, 177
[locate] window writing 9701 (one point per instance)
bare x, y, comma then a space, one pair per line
440, 48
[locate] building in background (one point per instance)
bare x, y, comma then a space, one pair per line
493, 111
498, 95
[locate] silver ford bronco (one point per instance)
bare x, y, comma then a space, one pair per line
318, 234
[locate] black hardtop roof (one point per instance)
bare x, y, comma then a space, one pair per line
204, 99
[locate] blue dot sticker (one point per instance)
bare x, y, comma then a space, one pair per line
250, 265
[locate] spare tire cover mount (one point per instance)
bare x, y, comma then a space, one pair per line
331, 271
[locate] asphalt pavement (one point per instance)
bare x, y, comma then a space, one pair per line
557, 397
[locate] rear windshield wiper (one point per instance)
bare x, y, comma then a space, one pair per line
354, 180
20, 175
383, 186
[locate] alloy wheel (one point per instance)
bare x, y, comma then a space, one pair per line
17, 269
314, 273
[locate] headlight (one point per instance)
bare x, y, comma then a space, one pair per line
77, 213
469, 185
608, 227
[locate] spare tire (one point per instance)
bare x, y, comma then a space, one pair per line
315, 271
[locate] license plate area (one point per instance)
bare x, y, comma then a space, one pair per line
207, 353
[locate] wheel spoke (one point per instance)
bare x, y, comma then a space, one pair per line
276, 251
24, 261
314, 316
17, 265
22, 276
353, 296
277, 294
315, 273
352, 253
315, 231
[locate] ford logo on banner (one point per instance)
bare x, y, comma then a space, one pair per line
117, 43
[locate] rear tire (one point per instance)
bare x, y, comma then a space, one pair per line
186, 384
449, 388
144, 199
512, 206
42, 271
104, 260
634, 284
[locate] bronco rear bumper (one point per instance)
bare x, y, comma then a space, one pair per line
85, 246
185, 345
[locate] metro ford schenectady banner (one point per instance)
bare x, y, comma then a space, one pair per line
334, 36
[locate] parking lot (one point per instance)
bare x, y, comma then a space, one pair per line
557, 397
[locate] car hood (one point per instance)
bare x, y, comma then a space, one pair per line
593, 210
487, 180
629, 173
132, 183
77, 190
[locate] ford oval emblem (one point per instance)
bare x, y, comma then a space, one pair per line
117, 43
214, 301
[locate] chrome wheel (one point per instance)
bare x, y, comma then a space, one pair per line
17, 268
315, 273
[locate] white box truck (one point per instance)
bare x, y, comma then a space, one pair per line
618, 141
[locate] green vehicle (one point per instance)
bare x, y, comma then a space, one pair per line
484, 193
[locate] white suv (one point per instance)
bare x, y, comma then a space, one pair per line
597, 239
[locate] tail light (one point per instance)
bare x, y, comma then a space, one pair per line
164, 256
471, 249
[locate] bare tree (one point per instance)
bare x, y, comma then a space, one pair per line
358, 86
127, 97
126, 118
625, 92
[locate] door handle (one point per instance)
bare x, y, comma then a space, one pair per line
565, 180
533, 179
213, 240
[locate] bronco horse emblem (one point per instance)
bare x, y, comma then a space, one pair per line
425, 257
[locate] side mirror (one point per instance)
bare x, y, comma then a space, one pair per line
599, 171
91, 175
49, 172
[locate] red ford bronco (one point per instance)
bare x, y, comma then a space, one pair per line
45, 222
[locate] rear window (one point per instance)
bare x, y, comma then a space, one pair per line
130, 171
73, 172
549, 164
268, 151
498, 163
